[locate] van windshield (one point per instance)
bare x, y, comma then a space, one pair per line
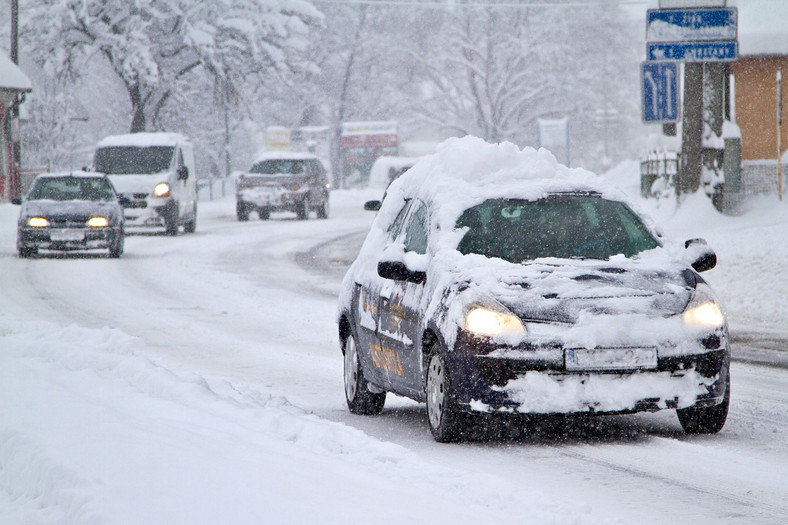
126, 160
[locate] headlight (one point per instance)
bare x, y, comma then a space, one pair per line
482, 320
98, 222
703, 311
161, 190
37, 222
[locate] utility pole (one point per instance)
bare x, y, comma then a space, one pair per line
15, 186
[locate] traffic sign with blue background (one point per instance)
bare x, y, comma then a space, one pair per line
660, 89
691, 25
693, 51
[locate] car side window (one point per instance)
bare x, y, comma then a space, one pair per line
397, 224
416, 231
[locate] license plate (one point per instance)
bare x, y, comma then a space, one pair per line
610, 358
67, 235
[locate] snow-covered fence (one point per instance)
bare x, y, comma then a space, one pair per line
215, 188
658, 172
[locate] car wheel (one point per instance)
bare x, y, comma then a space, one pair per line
171, 222
302, 210
360, 400
447, 423
264, 214
241, 211
706, 420
191, 225
116, 249
27, 251
322, 211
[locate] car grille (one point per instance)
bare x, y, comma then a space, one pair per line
71, 221
136, 200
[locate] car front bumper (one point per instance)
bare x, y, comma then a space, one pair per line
66, 239
536, 380
272, 198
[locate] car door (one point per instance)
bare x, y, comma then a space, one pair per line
399, 320
375, 361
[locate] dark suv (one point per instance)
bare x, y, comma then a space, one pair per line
283, 181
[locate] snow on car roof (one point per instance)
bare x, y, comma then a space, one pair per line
143, 139
467, 171
288, 155
77, 173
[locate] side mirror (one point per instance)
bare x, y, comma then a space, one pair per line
17, 201
398, 271
701, 256
372, 205
183, 173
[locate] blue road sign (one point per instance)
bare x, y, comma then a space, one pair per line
660, 87
688, 25
693, 51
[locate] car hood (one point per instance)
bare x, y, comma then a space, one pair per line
138, 183
563, 291
75, 208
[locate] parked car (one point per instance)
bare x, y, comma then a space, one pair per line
283, 181
155, 172
70, 211
496, 281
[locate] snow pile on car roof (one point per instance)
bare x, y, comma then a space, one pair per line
143, 140
467, 171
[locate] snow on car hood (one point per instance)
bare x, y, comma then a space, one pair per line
143, 183
48, 208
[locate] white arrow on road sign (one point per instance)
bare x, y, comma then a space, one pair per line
660, 89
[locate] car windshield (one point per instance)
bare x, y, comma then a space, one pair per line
127, 160
563, 226
279, 166
72, 188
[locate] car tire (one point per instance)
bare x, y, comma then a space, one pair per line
116, 249
27, 251
360, 400
191, 225
302, 210
447, 422
264, 214
322, 211
706, 420
171, 222
241, 211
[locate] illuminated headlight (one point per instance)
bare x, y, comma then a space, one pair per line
37, 222
161, 190
98, 222
483, 320
703, 312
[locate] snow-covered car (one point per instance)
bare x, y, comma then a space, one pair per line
496, 281
283, 181
70, 211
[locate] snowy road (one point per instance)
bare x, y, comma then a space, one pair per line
252, 305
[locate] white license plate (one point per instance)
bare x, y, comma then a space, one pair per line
67, 235
610, 358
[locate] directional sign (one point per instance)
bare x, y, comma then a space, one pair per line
693, 51
660, 85
691, 25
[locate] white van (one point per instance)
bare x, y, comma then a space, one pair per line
155, 173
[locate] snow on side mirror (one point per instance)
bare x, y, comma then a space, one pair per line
700, 255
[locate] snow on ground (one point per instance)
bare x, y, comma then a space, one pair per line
107, 420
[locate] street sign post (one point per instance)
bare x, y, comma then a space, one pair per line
660, 89
726, 51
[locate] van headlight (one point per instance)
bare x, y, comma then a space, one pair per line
37, 222
161, 190
703, 311
493, 320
